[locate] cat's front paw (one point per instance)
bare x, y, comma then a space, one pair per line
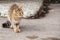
11, 27
17, 30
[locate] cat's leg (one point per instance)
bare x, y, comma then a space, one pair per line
9, 19
11, 26
16, 27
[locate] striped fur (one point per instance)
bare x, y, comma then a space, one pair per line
14, 16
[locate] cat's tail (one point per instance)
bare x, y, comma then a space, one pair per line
6, 24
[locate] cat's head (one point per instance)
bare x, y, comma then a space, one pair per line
16, 10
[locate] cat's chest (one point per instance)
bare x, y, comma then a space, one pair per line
15, 17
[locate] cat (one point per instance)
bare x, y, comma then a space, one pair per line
15, 14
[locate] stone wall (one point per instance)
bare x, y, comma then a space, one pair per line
31, 8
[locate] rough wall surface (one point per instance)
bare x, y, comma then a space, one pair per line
30, 7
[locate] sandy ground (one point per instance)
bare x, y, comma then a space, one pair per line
35, 29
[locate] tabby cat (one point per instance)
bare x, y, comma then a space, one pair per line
14, 16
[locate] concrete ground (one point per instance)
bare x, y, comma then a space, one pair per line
35, 29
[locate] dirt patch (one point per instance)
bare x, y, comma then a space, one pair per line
51, 38
32, 37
